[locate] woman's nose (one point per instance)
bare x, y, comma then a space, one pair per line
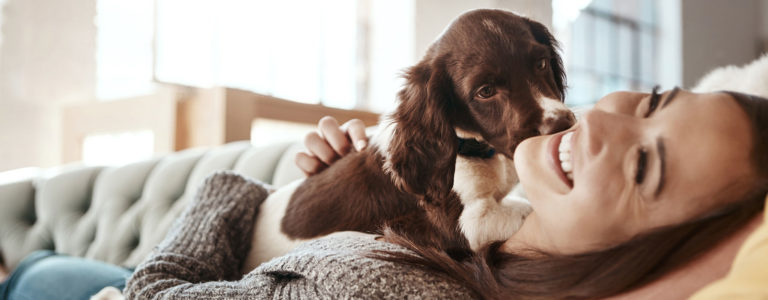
601, 130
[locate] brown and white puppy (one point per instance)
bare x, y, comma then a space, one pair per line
440, 165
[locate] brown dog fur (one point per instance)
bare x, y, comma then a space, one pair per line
408, 186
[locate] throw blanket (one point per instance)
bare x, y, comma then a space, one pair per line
201, 256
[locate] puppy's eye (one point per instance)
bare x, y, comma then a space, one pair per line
486, 92
542, 64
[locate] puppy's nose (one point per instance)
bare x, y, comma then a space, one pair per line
562, 120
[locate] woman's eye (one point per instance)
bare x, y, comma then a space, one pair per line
642, 161
486, 92
542, 64
654, 101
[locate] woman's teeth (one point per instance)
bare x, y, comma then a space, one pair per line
565, 155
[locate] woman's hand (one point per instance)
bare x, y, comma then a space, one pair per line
330, 143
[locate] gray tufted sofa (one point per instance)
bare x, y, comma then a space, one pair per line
118, 214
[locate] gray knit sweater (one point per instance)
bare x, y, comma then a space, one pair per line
200, 258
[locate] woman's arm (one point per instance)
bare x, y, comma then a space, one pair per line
329, 143
201, 256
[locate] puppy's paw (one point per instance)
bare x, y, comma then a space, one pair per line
483, 222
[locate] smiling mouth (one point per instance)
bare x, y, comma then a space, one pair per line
562, 159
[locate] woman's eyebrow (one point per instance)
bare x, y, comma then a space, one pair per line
670, 96
661, 150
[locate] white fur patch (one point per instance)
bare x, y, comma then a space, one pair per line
748, 79
108, 293
482, 185
268, 240
464, 134
517, 194
383, 136
553, 109
484, 178
485, 221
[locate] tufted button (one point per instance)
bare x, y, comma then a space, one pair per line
93, 236
50, 245
85, 205
134, 243
30, 218
133, 201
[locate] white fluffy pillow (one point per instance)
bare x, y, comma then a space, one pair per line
751, 78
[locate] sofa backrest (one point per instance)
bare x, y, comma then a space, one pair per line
118, 214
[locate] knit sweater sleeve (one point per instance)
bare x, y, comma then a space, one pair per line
342, 265
200, 257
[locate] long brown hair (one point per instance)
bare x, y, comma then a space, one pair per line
493, 274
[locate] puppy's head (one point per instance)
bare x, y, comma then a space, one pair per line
493, 75
508, 77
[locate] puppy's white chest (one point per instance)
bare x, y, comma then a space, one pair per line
491, 178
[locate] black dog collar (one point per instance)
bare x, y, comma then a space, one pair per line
475, 148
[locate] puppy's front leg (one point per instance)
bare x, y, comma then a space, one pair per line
483, 186
486, 220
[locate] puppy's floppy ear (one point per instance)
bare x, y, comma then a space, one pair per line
422, 152
542, 35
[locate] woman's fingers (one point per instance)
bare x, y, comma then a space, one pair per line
330, 143
309, 164
329, 129
355, 129
319, 148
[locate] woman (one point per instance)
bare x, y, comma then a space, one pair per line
676, 171
656, 179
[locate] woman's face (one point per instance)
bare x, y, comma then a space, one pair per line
637, 162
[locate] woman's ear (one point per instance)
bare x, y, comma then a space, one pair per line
542, 35
422, 152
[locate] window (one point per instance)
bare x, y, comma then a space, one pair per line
329, 52
340, 53
608, 45
124, 48
123, 70
118, 148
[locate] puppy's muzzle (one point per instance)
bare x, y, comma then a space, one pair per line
561, 120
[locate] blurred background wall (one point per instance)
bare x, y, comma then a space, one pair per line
61, 61
47, 58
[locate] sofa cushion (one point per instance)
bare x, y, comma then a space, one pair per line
118, 214
20, 231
